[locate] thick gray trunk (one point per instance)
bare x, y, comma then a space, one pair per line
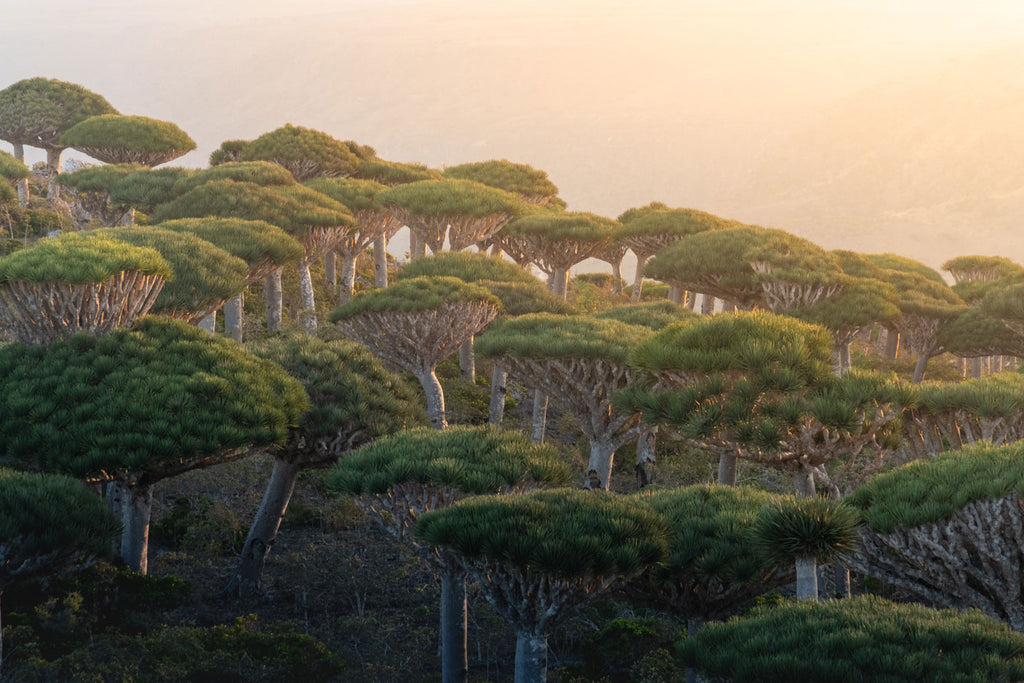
263, 532
694, 625
806, 578
558, 282
892, 344
348, 278
803, 482
52, 171
540, 415
19, 154
209, 323
691, 300
676, 294
135, 528
233, 317
976, 367
128, 218
617, 277
331, 269
499, 388
531, 658
417, 246
707, 304
727, 469
308, 314
435, 399
645, 457
638, 280
454, 657
599, 467
922, 363
467, 361
273, 295
841, 577
380, 262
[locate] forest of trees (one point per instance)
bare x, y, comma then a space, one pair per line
223, 457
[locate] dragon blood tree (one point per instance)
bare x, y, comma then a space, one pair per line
399, 478
315, 220
131, 408
649, 229
37, 111
353, 400
950, 531
531, 184
15, 171
540, 557
262, 246
373, 222
305, 152
415, 324
48, 522
70, 283
116, 139
205, 276
579, 361
759, 386
461, 212
92, 186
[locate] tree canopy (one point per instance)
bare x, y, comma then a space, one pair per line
305, 152
37, 111
117, 139
529, 183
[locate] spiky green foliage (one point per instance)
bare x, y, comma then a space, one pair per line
658, 219
976, 332
466, 266
816, 526
905, 264
567, 533
933, 490
471, 460
263, 173
1006, 303
861, 302
78, 258
305, 152
856, 264
47, 520
205, 276
530, 183
712, 565
147, 188
117, 139
11, 168
37, 111
99, 178
451, 198
229, 150
654, 315
922, 296
354, 193
158, 397
393, 173
551, 336
997, 396
414, 294
8, 195
520, 298
975, 267
863, 639
254, 242
353, 399
575, 226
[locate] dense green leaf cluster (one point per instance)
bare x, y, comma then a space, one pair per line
252, 241
654, 315
354, 193
147, 188
998, 396
792, 259
413, 294
815, 526
927, 491
294, 147
863, 639
558, 226
259, 172
471, 460
547, 335
352, 396
99, 178
856, 264
49, 515
905, 264
520, 298
79, 258
466, 266
920, 295
451, 198
1005, 302
505, 175
11, 168
565, 532
229, 151
861, 302
204, 274
966, 268
36, 111
393, 173
658, 219
128, 132
133, 401
976, 333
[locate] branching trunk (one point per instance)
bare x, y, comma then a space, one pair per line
499, 389
646, 458
707, 304
209, 323
331, 269
617, 276
273, 295
558, 282
922, 363
467, 361
454, 656
233, 317
531, 663
348, 278
380, 262
599, 467
435, 399
638, 279
806, 578
52, 171
308, 314
803, 482
135, 531
540, 415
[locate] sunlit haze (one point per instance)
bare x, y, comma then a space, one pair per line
867, 125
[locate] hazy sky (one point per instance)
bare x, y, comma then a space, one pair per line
621, 102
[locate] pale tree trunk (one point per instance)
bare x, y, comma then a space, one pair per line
691, 301
499, 388
638, 280
617, 277
273, 295
135, 530
331, 269
263, 532
380, 262
348, 278
435, 399
115, 497
707, 304
727, 469
922, 362
806, 578
892, 344
454, 655
803, 482
467, 361
417, 246
997, 364
531, 663
694, 625
558, 282
209, 323
540, 415
645, 457
599, 467
19, 154
128, 219
52, 171
841, 359
841, 576
308, 314
976, 367
233, 317
676, 294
